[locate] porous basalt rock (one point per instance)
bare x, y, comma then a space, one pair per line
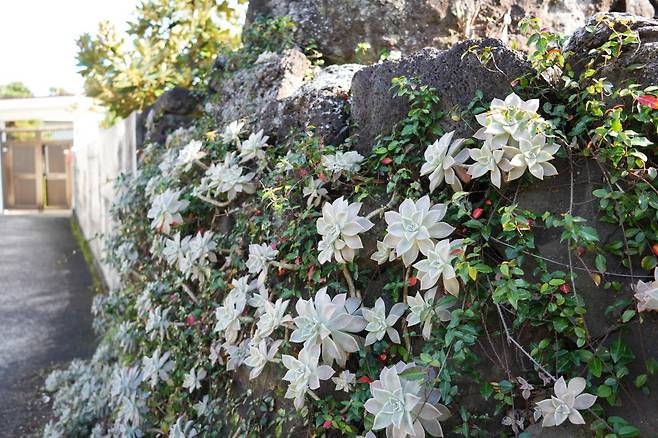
456, 74
320, 103
337, 28
174, 109
637, 64
253, 91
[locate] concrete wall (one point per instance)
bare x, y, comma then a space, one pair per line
100, 155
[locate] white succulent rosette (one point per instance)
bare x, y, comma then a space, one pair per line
252, 147
566, 403
330, 323
509, 120
157, 367
379, 324
166, 209
412, 229
272, 317
192, 380
487, 160
259, 355
383, 254
227, 177
304, 373
340, 226
228, 318
187, 156
438, 265
531, 154
342, 162
231, 133
405, 408
441, 158
646, 294
260, 256
236, 354
344, 381
314, 191
425, 310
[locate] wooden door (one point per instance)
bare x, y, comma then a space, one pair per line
23, 170
37, 173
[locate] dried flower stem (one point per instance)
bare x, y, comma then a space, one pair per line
350, 283
213, 202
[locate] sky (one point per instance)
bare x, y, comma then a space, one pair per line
37, 39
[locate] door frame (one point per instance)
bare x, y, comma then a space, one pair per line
39, 144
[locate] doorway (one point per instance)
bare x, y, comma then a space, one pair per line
36, 169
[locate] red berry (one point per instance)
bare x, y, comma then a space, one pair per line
565, 288
477, 213
654, 248
581, 251
386, 160
382, 357
412, 281
326, 424
488, 202
364, 379
190, 320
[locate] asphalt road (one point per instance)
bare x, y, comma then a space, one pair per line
45, 319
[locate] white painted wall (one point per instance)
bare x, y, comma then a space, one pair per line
100, 155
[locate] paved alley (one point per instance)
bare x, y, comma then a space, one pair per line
45, 319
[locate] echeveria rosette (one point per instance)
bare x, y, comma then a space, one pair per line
566, 403
383, 254
259, 355
231, 133
340, 162
252, 147
402, 406
166, 209
379, 324
646, 294
441, 157
438, 264
340, 226
330, 323
304, 373
228, 318
183, 429
509, 120
424, 310
192, 152
487, 160
532, 154
272, 317
413, 228
228, 178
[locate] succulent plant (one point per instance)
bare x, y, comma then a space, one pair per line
402, 406
646, 294
438, 264
252, 147
304, 374
566, 403
340, 226
441, 157
413, 228
531, 154
329, 323
166, 209
379, 324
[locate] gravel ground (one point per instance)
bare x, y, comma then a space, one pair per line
45, 319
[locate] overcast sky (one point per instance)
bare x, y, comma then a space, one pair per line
37, 38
